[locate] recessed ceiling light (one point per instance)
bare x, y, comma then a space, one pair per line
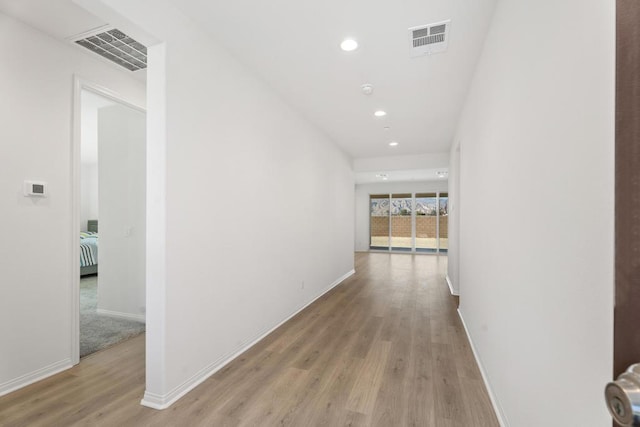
393, 144
382, 176
380, 113
348, 45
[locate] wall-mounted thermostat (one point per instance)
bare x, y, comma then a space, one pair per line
35, 189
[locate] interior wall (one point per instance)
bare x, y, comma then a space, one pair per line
88, 193
35, 143
90, 104
122, 195
88, 166
362, 214
88, 161
536, 231
259, 206
398, 163
453, 252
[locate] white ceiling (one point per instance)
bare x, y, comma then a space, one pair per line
294, 46
58, 18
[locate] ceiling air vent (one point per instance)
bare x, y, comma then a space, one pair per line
116, 46
428, 39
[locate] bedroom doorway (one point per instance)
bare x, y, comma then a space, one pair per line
110, 185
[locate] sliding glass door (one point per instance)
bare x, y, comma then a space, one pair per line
443, 222
401, 222
409, 222
427, 222
379, 222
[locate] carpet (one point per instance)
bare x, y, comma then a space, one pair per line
98, 331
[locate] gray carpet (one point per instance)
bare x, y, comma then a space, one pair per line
98, 331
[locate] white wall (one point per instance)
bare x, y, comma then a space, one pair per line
122, 194
90, 104
537, 195
35, 248
362, 203
453, 252
259, 207
397, 163
88, 193
88, 163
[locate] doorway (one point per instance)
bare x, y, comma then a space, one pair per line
110, 210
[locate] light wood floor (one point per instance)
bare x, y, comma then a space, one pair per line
385, 348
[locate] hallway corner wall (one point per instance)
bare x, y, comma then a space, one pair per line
536, 205
259, 206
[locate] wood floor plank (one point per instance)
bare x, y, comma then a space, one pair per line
385, 348
273, 406
365, 390
390, 407
327, 405
353, 419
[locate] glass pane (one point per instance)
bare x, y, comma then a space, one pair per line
401, 208
444, 222
379, 224
426, 222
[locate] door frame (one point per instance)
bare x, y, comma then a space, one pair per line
627, 186
80, 84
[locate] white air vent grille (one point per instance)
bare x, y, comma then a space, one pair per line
428, 39
118, 47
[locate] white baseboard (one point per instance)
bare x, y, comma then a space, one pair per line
128, 316
502, 419
157, 401
35, 376
451, 287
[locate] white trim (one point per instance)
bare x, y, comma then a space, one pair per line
502, 418
453, 292
80, 84
35, 376
128, 316
414, 224
75, 220
384, 251
156, 401
108, 93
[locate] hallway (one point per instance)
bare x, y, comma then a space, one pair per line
386, 347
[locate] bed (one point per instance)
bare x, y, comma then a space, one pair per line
89, 249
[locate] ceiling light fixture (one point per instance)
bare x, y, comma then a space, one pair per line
393, 144
442, 174
382, 176
380, 113
349, 45
367, 89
